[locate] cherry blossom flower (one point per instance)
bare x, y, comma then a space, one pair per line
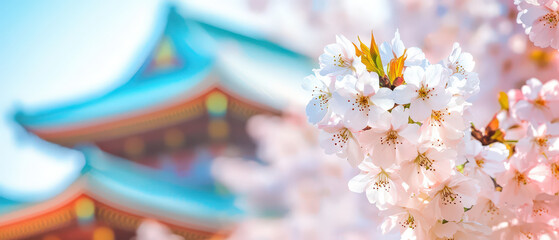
485, 162
445, 124
539, 145
425, 91
318, 107
340, 59
487, 209
518, 188
363, 100
463, 230
528, 231
396, 48
340, 140
544, 209
449, 198
389, 140
540, 103
411, 222
540, 18
382, 186
462, 81
425, 169
430, 166
547, 176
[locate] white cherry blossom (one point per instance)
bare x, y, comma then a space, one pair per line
321, 88
382, 186
340, 59
449, 198
396, 48
363, 99
462, 81
425, 91
338, 139
485, 162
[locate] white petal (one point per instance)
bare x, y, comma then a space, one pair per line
383, 99
414, 75
404, 93
399, 117
419, 110
359, 183
316, 111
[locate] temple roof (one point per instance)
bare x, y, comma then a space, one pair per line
134, 193
184, 58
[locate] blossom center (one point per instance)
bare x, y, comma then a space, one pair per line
425, 92
539, 102
438, 117
424, 162
362, 103
323, 97
408, 222
341, 137
459, 68
448, 196
550, 20
391, 138
492, 209
341, 61
539, 211
555, 170
520, 178
528, 235
480, 162
541, 141
382, 181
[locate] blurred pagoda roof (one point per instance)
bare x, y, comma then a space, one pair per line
184, 57
186, 61
133, 197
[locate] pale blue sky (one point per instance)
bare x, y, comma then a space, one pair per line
55, 52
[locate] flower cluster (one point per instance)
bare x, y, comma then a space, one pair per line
539, 19
401, 120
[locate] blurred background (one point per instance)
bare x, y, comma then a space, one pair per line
159, 119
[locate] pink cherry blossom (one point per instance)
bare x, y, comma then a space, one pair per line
540, 103
429, 167
540, 18
340, 140
382, 186
485, 162
388, 141
449, 198
540, 145
462, 230
518, 188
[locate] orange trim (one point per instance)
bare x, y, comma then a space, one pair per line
64, 215
129, 124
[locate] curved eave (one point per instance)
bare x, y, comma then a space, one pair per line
144, 197
254, 69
